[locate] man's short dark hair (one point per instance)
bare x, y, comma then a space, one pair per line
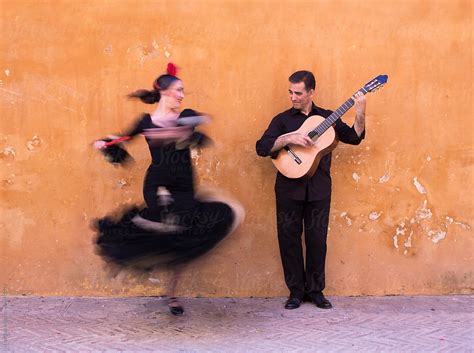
303, 76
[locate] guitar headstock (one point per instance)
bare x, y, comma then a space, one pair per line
375, 83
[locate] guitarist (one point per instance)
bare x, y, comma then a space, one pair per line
305, 202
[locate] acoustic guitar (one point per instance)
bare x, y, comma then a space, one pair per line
297, 161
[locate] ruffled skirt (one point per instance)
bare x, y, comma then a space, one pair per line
140, 239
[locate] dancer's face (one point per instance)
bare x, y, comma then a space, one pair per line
300, 97
174, 93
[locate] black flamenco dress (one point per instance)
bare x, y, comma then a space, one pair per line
175, 226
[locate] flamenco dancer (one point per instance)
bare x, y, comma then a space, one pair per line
177, 224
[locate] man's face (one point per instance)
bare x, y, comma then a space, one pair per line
300, 97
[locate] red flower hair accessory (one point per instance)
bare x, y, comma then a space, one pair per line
171, 69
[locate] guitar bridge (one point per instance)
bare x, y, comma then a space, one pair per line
293, 155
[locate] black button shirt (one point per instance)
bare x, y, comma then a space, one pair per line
318, 187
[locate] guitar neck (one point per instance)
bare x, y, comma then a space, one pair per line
331, 119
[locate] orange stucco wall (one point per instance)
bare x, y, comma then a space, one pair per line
402, 209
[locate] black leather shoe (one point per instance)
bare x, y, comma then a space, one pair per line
320, 301
292, 303
176, 310
175, 307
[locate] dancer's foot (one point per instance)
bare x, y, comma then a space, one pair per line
175, 306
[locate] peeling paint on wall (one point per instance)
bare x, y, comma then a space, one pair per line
407, 242
32, 144
167, 52
399, 232
8, 153
421, 189
384, 178
423, 220
148, 52
195, 155
346, 217
423, 212
373, 216
462, 224
436, 235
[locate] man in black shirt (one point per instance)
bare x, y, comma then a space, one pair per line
305, 202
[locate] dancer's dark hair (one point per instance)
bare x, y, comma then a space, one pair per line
161, 83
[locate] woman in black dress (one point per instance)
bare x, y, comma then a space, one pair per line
176, 225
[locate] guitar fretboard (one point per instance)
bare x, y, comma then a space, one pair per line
331, 119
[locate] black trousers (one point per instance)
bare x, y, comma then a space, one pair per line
292, 217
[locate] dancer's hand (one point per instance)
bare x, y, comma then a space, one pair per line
99, 144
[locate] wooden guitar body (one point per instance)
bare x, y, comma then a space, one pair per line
296, 161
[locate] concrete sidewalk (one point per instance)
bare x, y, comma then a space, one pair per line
363, 324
